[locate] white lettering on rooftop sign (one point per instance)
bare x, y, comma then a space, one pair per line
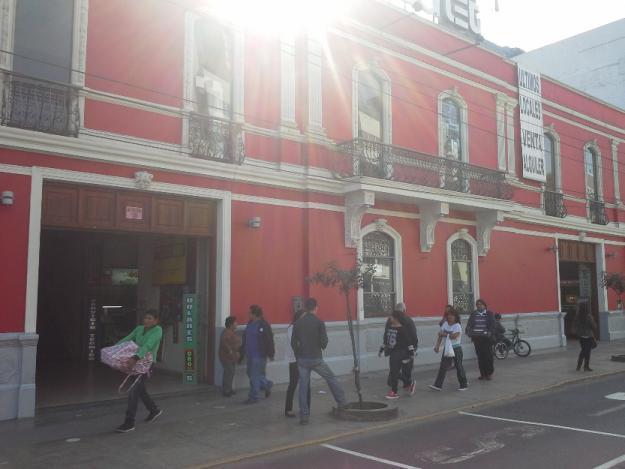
531, 119
461, 13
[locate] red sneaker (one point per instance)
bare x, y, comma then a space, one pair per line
392, 395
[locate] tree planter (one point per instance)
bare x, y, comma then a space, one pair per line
369, 411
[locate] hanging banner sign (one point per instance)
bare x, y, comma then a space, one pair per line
531, 119
189, 319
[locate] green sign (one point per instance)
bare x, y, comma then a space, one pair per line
190, 326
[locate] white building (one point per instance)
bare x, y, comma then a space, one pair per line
593, 62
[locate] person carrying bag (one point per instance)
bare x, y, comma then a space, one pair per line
451, 333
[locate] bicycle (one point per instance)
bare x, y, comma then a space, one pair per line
520, 347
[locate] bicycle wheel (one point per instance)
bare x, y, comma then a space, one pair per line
500, 350
522, 348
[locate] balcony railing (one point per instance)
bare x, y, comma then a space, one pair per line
554, 204
39, 105
378, 160
215, 139
597, 211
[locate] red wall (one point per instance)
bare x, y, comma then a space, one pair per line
14, 251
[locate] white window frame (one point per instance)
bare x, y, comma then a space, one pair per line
382, 226
464, 235
238, 68
454, 96
551, 132
385, 80
595, 148
79, 43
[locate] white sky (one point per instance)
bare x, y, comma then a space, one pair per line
530, 24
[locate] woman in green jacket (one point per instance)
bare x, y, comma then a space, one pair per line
148, 338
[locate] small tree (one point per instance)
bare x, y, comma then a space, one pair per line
347, 281
615, 281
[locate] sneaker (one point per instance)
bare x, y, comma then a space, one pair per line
125, 427
411, 388
463, 388
154, 415
435, 388
268, 390
392, 395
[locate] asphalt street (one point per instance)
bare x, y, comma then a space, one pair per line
575, 426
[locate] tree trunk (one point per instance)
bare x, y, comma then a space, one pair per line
350, 327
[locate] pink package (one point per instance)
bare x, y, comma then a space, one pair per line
118, 357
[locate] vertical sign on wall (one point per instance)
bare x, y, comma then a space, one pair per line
189, 318
531, 119
91, 330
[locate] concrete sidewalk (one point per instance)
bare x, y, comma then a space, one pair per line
206, 430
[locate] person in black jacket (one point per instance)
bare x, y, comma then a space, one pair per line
407, 363
308, 341
480, 328
397, 339
257, 347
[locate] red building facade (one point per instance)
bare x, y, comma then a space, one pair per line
173, 152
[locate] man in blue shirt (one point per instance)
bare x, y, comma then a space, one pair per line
257, 347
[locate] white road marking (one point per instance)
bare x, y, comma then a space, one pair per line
617, 396
539, 424
611, 463
608, 411
366, 456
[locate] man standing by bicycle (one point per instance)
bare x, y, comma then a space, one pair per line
481, 327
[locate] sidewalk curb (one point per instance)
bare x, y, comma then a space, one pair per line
398, 422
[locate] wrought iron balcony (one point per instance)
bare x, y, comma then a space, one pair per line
598, 215
39, 105
378, 160
554, 204
215, 139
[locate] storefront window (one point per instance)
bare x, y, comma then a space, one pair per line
462, 275
379, 293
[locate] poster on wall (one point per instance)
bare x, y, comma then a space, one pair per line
170, 264
531, 120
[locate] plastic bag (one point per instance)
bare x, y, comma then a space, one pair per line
448, 351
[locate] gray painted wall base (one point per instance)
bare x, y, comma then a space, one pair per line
18, 355
612, 325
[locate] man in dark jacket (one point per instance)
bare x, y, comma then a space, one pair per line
408, 360
257, 347
480, 328
308, 341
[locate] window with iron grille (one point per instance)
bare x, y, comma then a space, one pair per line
462, 275
378, 249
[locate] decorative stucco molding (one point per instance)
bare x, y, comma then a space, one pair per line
356, 204
430, 214
486, 221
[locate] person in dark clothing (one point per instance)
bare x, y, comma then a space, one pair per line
257, 347
408, 361
584, 327
480, 328
308, 342
148, 338
293, 371
229, 354
396, 342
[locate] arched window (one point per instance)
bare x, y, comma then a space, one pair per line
462, 275
370, 107
453, 132
550, 163
591, 173
379, 291
452, 137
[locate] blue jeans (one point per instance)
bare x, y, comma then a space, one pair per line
256, 373
306, 366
